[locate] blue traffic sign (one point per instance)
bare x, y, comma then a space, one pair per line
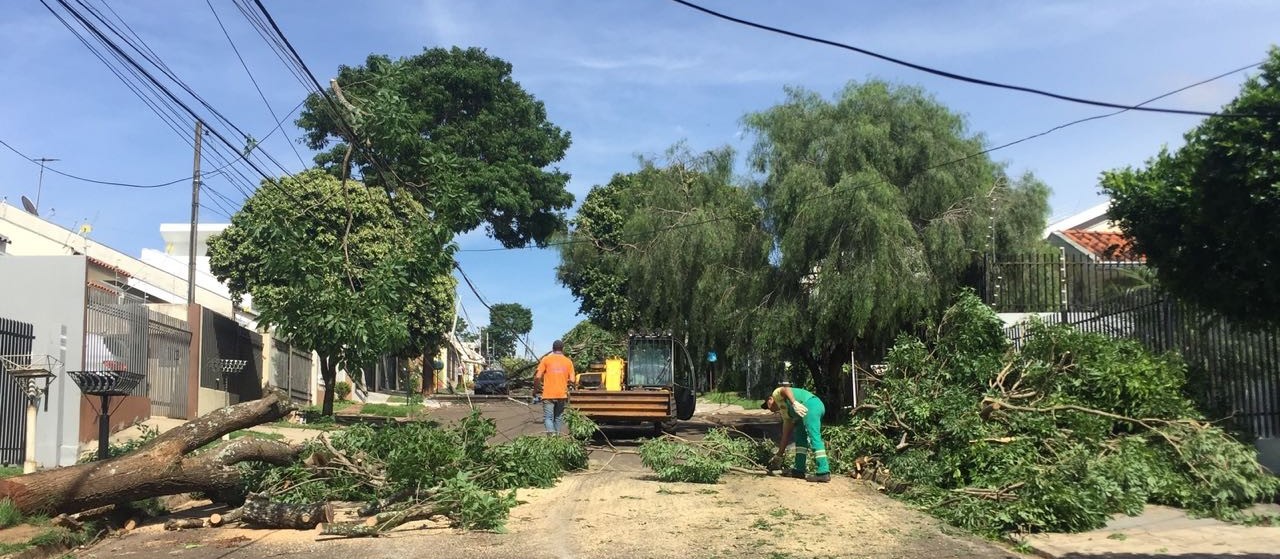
711, 356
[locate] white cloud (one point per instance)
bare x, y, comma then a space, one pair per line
646, 61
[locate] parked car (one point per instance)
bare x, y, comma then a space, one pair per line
491, 382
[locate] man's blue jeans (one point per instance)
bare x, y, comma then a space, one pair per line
553, 415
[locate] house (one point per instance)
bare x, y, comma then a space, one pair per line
1091, 235
95, 308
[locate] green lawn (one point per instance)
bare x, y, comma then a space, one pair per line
390, 410
315, 426
733, 398
10, 471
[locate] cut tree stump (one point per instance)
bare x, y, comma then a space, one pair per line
261, 512
159, 467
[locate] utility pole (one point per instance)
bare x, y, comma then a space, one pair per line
195, 217
40, 182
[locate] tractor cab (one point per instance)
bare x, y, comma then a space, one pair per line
651, 385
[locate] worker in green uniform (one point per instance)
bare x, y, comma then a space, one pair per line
802, 422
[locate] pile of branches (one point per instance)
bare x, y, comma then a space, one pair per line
411, 471
389, 474
675, 459
1055, 436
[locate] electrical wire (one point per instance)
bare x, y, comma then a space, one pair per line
345, 126
139, 46
480, 298
133, 185
263, 96
952, 75
164, 98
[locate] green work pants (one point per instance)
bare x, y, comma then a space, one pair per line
807, 435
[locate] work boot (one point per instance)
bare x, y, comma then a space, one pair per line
820, 478
793, 473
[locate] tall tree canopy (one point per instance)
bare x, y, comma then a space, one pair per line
676, 245
334, 270
1207, 216
508, 322
454, 130
878, 208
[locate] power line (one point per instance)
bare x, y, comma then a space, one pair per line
165, 97
952, 75
139, 46
94, 181
133, 185
243, 64
480, 298
836, 190
337, 112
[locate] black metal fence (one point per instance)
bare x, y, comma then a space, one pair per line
230, 358
16, 338
292, 371
1234, 370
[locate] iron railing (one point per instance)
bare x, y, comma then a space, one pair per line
291, 371
1234, 371
16, 338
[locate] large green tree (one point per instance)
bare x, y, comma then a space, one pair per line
676, 245
1207, 216
879, 208
333, 269
451, 128
508, 322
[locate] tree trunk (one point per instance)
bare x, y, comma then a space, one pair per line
159, 467
262, 512
329, 373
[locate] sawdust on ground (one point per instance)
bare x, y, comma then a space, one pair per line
621, 513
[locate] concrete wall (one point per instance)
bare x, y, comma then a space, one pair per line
49, 293
32, 236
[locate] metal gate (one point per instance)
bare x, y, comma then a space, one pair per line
291, 371
15, 339
168, 350
115, 334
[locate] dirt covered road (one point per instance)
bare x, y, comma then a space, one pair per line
618, 510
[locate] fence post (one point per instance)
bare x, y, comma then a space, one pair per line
1062, 283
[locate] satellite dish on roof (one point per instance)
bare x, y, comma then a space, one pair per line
31, 208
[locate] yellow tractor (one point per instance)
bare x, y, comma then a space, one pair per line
649, 386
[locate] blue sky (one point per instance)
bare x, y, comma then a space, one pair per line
626, 78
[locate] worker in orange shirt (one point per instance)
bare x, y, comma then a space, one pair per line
555, 375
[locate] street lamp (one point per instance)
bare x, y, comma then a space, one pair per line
28, 371
104, 384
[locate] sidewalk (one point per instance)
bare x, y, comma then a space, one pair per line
1164, 531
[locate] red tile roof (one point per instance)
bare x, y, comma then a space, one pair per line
1104, 245
109, 267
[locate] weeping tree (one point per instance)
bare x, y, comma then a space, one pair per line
331, 264
878, 210
675, 245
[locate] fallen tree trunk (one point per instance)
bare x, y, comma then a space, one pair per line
160, 467
262, 512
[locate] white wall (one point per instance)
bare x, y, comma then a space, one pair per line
49, 293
